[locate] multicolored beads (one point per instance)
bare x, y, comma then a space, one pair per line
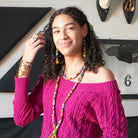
56, 127
71, 78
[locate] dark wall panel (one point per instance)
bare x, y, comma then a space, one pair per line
7, 83
15, 22
8, 129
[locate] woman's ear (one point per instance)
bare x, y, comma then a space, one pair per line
84, 30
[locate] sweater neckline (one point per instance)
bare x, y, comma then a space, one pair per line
96, 86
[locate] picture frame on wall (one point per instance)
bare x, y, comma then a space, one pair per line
121, 57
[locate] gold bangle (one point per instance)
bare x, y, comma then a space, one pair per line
24, 69
28, 64
21, 74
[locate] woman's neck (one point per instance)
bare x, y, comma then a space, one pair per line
73, 65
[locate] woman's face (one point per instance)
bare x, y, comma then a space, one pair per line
68, 35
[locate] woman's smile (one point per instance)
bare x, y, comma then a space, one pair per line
65, 44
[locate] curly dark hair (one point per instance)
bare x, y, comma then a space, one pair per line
93, 52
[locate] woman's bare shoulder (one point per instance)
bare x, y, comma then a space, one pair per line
103, 75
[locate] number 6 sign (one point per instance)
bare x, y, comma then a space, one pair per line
121, 57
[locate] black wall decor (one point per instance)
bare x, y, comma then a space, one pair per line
15, 22
8, 129
7, 83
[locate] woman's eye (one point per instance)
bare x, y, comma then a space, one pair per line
70, 28
55, 32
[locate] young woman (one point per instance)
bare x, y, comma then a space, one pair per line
79, 97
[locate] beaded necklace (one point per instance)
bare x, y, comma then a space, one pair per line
56, 127
71, 78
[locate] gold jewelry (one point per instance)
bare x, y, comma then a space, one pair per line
57, 61
24, 69
29, 64
84, 50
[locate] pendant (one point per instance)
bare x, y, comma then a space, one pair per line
53, 136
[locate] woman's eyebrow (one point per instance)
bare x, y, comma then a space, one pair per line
55, 27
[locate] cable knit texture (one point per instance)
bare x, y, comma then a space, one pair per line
94, 110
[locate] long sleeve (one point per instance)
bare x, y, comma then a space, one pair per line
27, 107
110, 113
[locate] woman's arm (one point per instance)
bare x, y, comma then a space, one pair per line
27, 107
109, 109
111, 116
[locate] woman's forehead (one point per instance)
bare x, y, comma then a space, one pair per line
62, 20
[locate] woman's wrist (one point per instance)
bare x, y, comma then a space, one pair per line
24, 69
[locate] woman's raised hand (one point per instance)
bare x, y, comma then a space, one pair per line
32, 46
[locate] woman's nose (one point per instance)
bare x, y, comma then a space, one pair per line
63, 35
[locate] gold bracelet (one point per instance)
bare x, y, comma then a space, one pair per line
24, 69
22, 73
28, 64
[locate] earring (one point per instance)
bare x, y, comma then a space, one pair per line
84, 51
57, 61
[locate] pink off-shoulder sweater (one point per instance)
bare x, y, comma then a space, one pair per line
94, 110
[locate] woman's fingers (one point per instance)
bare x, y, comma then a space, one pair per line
37, 36
38, 42
32, 46
37, 39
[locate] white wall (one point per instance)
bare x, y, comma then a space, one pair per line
115, 27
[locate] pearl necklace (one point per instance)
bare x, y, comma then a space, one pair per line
56, 127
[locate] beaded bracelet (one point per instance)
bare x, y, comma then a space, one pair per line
24, 69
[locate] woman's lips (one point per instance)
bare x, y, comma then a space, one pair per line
65, 44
